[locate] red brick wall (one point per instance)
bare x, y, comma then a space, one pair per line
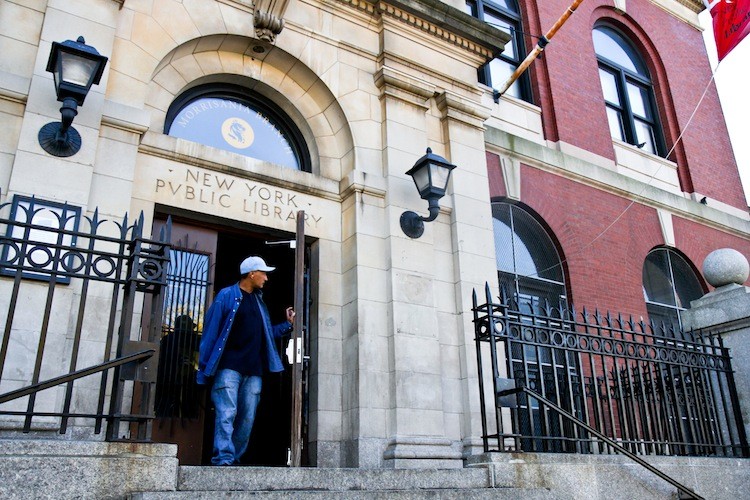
604, 239
604, 265
697, 241
567, 87
495, 174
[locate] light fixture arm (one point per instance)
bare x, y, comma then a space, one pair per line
412, 224
60, 138
434, 209
68, 111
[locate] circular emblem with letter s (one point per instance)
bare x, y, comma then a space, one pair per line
237, 133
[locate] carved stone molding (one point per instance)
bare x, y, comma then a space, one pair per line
440, 20
453, 107
447, 35
267, 26
268, 19
694, 5
399, 85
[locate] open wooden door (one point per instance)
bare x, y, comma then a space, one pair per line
205, 259
297, 345
180, 404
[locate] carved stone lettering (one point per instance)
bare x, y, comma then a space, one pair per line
210, 190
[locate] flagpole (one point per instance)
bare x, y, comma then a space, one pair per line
543, 41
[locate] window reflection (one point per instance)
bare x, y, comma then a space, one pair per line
669, 284
233, 125
504, 15
526, 258
182, 325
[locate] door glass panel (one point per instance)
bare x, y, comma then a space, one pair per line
182, 324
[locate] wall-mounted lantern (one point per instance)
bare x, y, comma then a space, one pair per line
431, 174
76, 67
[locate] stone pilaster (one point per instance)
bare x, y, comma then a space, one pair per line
473, 254
66, 179
726, 311
416, 426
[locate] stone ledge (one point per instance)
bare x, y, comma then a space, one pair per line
60, 448
55, 469
616, 476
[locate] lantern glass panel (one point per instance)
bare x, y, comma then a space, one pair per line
422, 179
440, 175
77, 70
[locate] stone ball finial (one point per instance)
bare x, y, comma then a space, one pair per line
725, 266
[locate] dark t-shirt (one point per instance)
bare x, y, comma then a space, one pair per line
243, 352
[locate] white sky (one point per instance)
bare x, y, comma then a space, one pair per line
733, 83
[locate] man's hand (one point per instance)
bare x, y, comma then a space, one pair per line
290, 314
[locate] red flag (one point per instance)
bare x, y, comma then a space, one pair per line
731, 23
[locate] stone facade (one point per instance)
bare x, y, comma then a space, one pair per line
370, 85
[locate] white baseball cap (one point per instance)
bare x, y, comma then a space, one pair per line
254, 264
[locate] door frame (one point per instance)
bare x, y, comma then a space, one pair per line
222, 273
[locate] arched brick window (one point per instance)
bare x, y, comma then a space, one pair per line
528, 263
628, 92
669, 284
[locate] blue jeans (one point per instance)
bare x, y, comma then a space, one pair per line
235, 397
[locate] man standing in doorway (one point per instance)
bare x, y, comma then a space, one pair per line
237, 347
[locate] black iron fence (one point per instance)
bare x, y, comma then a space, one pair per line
653, 390
82, 304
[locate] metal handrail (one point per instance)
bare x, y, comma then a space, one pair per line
32, 389
576, 421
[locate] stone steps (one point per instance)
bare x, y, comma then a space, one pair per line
442, 494
330, 484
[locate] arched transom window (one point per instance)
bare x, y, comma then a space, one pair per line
669, 284
237, 120
527, 261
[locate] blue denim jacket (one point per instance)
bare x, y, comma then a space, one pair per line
218, 324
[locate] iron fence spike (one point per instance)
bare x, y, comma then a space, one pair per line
125, 220
597, 316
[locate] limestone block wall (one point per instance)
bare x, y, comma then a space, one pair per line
370, 86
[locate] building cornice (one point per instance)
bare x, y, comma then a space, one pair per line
685, 10
440, 20
694, 5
